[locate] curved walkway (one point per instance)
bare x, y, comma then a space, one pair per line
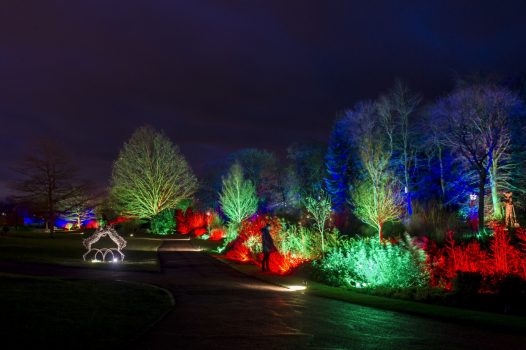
217, 307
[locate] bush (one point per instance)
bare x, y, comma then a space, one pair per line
129, 227
364, 262
467, 284
164, 222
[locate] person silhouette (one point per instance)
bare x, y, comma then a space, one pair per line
268, 247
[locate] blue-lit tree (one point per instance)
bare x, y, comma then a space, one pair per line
338, 163
478, 132
397, 109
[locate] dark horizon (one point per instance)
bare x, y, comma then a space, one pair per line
224, 75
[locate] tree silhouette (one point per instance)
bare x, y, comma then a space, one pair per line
48, 180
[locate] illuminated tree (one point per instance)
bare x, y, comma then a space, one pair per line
238, 197
375, 198
375, 206
397, 110
47, 179
338, 163
320, 210
150, 175
262, 169
477, 130
79, 214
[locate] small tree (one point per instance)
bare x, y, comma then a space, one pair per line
238, 197
151, 175
320, 210
377, 207
78, 209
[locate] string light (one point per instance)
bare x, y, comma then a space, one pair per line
99, 255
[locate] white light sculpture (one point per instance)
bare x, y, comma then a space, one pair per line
100, 254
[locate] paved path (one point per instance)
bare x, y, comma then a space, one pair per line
220, 308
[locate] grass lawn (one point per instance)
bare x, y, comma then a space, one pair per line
67, 249
71, 313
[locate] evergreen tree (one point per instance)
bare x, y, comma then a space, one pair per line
338, 164
238, 197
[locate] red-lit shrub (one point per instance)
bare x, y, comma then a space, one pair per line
91, 224
191, 222
217, 234
500, 259
247, 247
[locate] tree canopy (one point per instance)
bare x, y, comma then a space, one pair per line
151, 175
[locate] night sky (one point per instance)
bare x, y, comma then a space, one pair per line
217, 76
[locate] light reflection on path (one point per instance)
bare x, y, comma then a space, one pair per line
220, 308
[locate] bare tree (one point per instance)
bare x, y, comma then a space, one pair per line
47, 180
379, 206
376, 198
477, 130
150, 175
397, 109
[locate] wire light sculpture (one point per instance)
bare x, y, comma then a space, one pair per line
104, 253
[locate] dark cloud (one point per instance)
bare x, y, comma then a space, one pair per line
220, 75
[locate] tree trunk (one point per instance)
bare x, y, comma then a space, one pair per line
380, 232
497, 209
482, 183
442, 182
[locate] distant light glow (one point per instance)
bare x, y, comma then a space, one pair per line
296, 288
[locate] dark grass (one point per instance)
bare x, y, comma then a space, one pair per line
67, 249
71, 313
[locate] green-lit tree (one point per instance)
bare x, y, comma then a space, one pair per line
150, 175
375, 206
238, 196
320, 210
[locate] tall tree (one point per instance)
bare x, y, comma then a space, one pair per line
477, 119
262, 168
238, 197
307, 166
397, 109
151, 175
338, 163
47, 179
375, 198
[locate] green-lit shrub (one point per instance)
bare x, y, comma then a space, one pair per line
365, 262
301, 241
164, 222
